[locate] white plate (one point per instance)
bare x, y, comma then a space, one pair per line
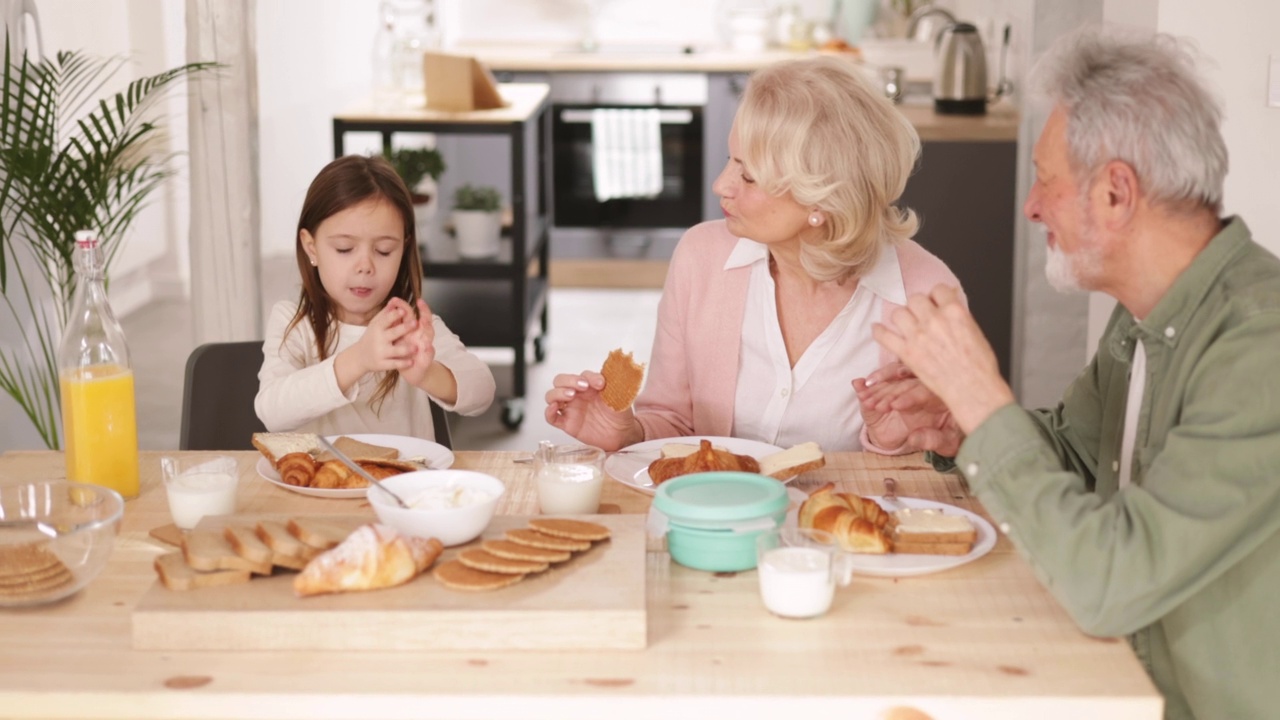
438, 457
630, 466
907, 565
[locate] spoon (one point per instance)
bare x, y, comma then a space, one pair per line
891, 493
342, 458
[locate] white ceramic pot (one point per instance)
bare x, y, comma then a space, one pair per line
477, 232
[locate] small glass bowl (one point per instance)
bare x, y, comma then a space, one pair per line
55, 538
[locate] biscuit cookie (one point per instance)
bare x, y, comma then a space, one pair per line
533, 538
479, 559
572, 529
454, 574
516, 551
622, 379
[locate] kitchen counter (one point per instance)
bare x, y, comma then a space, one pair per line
1000, 124
982, 640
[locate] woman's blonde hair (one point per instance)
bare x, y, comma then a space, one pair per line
815, 129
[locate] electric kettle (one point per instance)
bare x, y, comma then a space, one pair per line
960, 72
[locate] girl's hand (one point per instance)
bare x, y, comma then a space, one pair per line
420, 341
380, 348
574, 405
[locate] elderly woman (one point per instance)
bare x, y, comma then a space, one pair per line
765, 318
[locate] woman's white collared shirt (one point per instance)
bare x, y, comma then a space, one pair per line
814, 401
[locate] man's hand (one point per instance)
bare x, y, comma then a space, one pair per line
941, 344
899, 410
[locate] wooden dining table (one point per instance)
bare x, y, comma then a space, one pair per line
983, 640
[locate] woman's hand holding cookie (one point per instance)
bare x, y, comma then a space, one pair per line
575, 405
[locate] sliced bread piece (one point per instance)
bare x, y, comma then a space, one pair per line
176, 574
932, 548
209, 550
794, 460
357, 450
276, 445
321, 534
284, 545
679, 450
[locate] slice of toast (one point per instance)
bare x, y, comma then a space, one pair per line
794, 460
176, 574
357, 450
321, 534
679, 450
277, 537
209, 550
276, 445
932, 548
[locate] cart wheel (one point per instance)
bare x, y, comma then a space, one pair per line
539, 348
513, 414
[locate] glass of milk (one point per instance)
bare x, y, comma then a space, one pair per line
799, 569
569, 478
199, 485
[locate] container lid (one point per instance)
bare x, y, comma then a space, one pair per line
720, 497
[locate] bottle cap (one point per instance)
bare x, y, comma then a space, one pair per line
86, 239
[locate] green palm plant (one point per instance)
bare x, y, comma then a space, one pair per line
69, 160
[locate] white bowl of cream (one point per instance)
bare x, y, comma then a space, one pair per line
453, 506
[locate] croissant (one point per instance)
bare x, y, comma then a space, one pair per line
372, 556
297, 469
705, 459
859, 524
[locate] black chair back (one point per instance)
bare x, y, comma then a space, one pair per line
217, 399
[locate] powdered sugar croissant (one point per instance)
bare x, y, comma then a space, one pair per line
372, 556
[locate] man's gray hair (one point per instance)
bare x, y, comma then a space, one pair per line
1138, 99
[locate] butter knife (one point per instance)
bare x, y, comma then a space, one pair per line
342, 458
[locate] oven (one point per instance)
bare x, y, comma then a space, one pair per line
585, 226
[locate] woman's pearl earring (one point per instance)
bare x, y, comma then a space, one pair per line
815, 219
313, 262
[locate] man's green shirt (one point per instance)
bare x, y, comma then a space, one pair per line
1186, 559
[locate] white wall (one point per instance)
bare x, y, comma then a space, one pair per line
314, 60
1237, 38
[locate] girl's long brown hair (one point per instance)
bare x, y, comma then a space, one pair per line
343, 183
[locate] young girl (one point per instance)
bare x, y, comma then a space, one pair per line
360, 351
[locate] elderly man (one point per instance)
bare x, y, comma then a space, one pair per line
1148, 501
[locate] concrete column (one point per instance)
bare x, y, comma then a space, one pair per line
225, 257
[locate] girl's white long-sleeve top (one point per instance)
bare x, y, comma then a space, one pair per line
298, 391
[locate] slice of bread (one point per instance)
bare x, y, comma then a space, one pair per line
276, 445
320, 534
283, 544
357, 450
932, 548
928, 531
679, 450
209, 550
622, 379
794, 460
176, 574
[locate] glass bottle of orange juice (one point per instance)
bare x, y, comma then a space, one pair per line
99, 418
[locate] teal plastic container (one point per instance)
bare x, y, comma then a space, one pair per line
713, 518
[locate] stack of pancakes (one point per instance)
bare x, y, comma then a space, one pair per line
501, 562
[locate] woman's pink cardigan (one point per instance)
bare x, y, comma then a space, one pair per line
693, 371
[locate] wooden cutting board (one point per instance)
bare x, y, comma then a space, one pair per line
594, 600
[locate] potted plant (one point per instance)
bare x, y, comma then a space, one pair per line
414, 166
70, 161
477, 220
420, 168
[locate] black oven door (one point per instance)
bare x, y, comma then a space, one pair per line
678, 205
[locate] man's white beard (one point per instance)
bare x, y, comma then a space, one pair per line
1060, 271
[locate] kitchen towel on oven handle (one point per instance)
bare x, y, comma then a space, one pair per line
626, 152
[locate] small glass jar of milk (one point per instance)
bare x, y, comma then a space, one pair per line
569, 478
799, 569
199, 485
